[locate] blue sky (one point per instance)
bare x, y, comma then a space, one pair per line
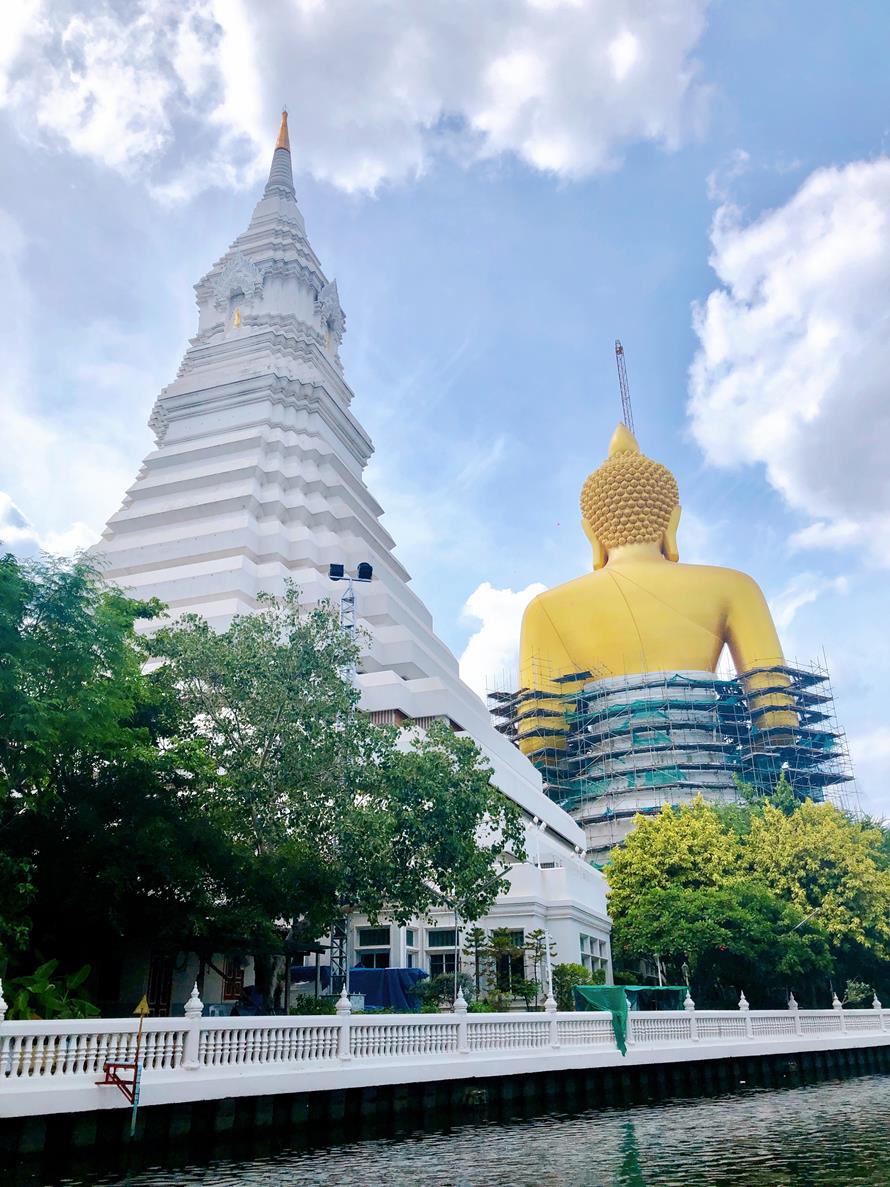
501, 190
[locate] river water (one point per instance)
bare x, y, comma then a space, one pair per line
830, 1133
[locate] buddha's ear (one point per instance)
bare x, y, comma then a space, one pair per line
669, 548
600, 556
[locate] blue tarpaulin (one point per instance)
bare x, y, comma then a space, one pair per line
301, 973
386, 989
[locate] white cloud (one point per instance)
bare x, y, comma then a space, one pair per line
19, 535
870, 752
73, 459
374, 89
490, 658
794, 353
802, 590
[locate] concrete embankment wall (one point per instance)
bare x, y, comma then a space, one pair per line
253, 1125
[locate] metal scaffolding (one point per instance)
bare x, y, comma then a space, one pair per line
610, 747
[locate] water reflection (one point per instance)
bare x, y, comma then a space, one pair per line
830, 1133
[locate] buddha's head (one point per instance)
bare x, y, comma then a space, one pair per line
630, 500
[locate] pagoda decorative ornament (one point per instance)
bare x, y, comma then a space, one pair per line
238, 276
332, 316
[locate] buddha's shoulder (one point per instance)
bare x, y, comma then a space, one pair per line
715, 574
731, 582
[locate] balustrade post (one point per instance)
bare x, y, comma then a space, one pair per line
745, 1009
875, 1005
191, 1050
630, 1038
837, 1004
460, 1010
5, 1043
689, 1007
550, 1008
344, 1012
795, 1010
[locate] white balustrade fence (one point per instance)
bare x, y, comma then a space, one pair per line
48, 1067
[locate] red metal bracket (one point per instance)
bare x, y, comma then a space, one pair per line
127, 1086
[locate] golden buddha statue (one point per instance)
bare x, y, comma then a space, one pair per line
640, 611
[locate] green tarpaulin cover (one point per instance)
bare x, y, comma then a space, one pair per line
622, 999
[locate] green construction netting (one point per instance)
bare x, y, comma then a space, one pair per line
650, 737
659, 778
606, 998
623, 999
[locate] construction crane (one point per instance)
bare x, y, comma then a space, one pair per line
626, 412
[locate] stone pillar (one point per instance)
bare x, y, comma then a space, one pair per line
194, 1008
344, 1010
795, 1009
875, 1005
550, 1008
689, 1007
745, 1009
459, 1009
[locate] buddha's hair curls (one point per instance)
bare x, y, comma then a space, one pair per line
629, 499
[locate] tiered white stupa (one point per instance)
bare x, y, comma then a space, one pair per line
256, 478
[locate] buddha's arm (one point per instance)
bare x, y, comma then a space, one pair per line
542, 657
754, 643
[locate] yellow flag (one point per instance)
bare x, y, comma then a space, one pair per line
142, 1009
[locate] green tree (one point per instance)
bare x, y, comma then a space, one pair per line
323, 808
827, 866
505, 954
735, 937
690, 847
100, 795
476, 947
758, 894
566, 976
538, 950
234, 785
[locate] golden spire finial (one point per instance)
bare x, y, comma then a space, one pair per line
283, 140
623, 441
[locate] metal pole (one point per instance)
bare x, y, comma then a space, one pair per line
137, 1075
348, 620
549, 963
456, 951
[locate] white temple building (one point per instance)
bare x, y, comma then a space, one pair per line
256, 478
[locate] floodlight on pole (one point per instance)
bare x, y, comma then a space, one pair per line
364, 573
340, 931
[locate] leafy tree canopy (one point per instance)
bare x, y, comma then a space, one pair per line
377, 820
755, 895
193, 789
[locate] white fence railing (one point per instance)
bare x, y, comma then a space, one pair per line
49, 1056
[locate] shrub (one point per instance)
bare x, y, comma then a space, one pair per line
566, 977
314, 1005
439, 990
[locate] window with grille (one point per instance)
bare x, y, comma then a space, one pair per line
441, 962
373, 960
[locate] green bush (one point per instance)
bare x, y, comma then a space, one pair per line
45, 995
857, 994
314, 1005
439, 991
566, 977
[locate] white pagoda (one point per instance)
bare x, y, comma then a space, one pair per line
256, 478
